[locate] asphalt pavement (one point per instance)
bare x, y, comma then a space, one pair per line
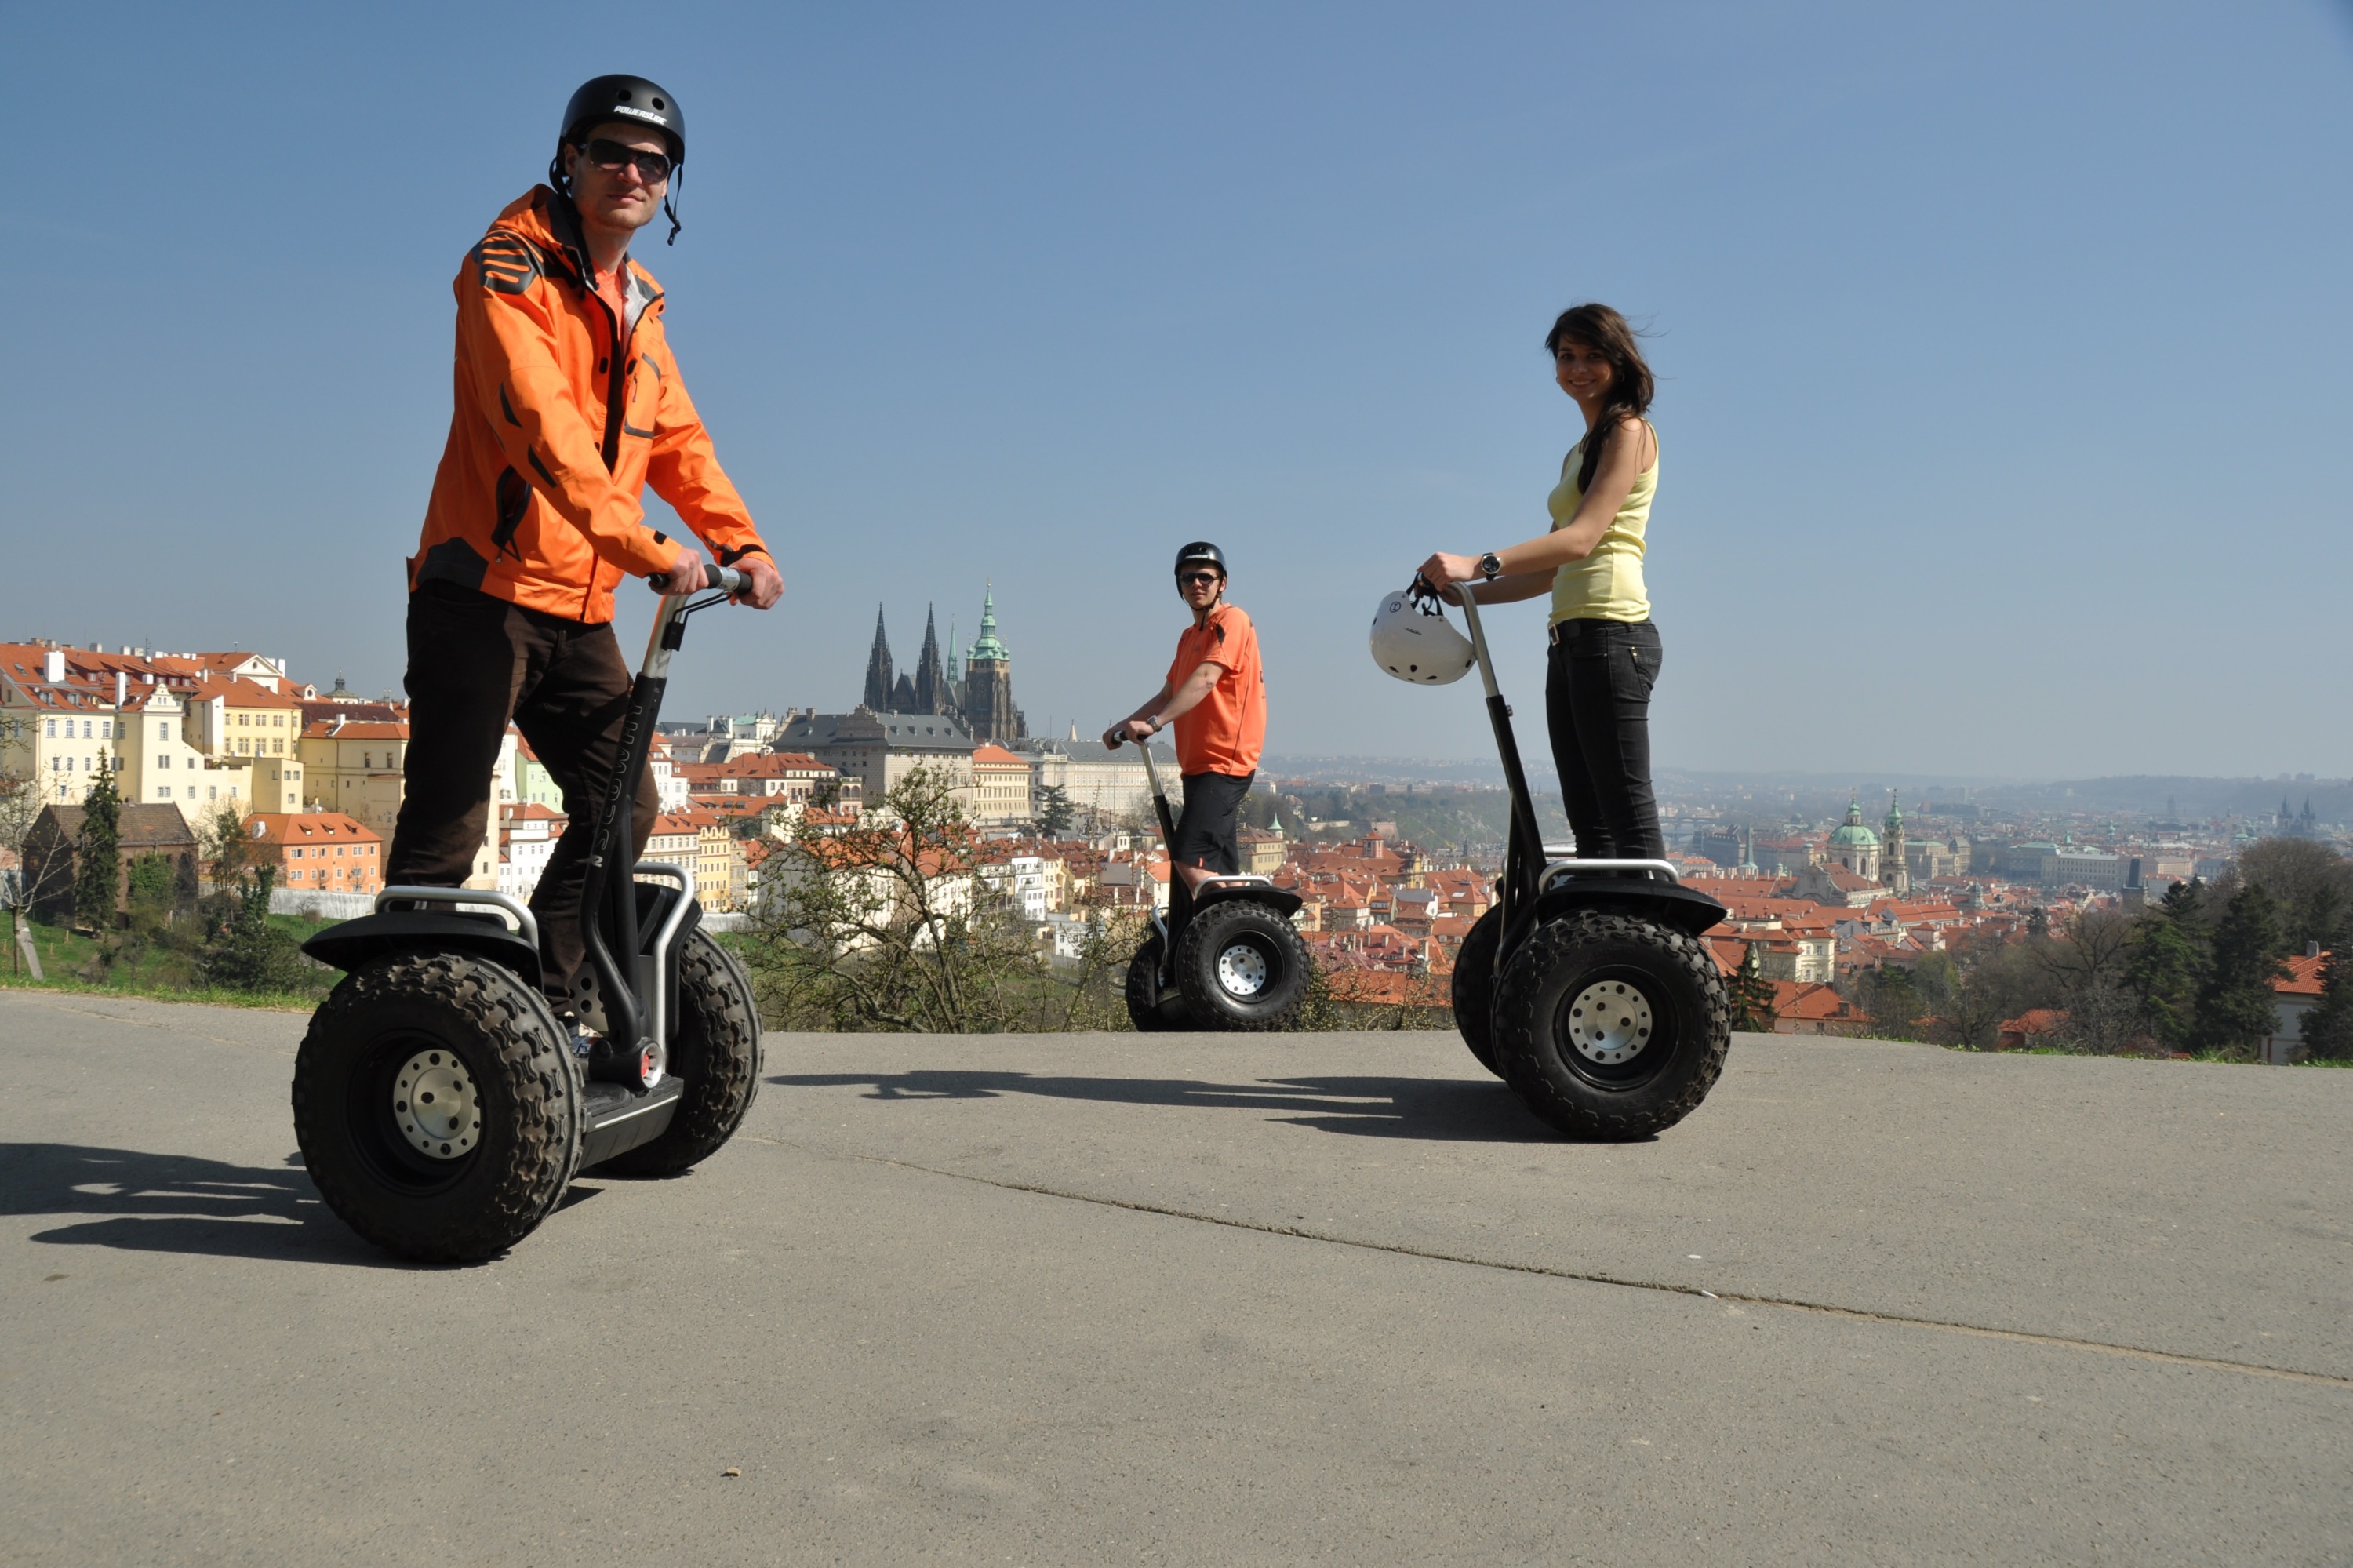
1198, 1299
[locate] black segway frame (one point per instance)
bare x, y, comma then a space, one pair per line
1533, 886
629, 1098
1597, 1004
1186, 904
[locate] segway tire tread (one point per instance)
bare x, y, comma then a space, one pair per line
503, 1028
1145, 1008
715, 1053
1472, 989
1548, 967
1208, 934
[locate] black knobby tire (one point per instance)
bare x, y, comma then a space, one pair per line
1473, 988
1659, 1027
1240, 965
508, 1055
1145, 1010
715, 1051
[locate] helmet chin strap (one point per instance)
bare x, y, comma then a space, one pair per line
670, 202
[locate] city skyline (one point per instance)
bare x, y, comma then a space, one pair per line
1941, 490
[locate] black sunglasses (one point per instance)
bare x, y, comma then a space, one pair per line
610, 156
1187, 580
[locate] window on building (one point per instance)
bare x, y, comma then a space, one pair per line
85, 729
163, 729
52, 732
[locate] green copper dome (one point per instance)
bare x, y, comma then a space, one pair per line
1853, 833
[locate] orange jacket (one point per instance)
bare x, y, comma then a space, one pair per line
554, 435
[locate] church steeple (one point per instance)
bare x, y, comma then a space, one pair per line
1893, 872
930, 680
878, 669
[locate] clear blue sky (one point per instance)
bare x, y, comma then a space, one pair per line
2004, 349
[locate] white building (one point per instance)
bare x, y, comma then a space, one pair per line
527, 837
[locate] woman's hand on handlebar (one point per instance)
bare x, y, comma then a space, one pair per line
1442, 571
1135, 729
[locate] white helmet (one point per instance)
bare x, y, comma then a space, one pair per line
1413, 641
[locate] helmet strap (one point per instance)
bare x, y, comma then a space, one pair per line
669, 201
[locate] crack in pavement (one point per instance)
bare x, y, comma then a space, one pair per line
1784, 1303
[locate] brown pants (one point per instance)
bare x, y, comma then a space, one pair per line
474, 663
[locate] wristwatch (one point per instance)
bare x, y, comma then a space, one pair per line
1490, 566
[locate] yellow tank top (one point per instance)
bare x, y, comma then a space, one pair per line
1608, 584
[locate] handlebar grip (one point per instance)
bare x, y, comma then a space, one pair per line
726, 579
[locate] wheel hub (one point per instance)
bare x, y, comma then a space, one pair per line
1242, 971
1609, 1022
436, 1104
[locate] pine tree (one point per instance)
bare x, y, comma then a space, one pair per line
2166, 965
2328, 1028
1752, 995
98, 868
2235, 1009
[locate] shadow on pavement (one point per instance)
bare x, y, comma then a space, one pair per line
1435, 1108
176, 1202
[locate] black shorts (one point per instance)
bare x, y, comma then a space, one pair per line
1205, 833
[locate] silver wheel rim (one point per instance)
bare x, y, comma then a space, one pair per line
1241, 969
436, 1106
1610, 1022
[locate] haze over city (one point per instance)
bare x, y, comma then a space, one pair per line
2002, 350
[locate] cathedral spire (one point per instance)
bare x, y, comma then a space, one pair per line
878, 669
930, 680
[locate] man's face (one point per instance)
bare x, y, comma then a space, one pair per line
620, 197
1200, 585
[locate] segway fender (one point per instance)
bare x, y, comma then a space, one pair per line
1682, 908
355, 943
1275, 898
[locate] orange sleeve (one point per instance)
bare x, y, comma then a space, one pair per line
506, 343
684, 471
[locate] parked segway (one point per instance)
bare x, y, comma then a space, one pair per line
1226, 955
442, 1106
1586, 986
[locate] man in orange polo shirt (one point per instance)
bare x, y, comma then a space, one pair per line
568, 403
1216, 696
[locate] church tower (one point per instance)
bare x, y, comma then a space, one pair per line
930, 679
989, 710
878, 669
1895, 872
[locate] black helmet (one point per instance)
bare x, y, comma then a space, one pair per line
1202, 550
631, 98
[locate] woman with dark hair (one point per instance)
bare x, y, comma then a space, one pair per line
1605, 650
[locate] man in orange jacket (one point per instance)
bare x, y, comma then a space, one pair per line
568, 402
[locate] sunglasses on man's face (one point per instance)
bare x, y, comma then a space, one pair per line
1195, 579
610, 156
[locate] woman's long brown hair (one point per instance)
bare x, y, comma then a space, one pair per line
1631, 383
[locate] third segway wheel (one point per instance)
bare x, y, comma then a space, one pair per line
1240, 965
1146, 1009
1472, 991
1608, 1026
437, 1106
715, 1051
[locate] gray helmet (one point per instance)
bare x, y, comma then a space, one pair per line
1202, 550
635, 100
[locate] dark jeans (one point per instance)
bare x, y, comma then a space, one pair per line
475, 663
1598, 707
1205, 830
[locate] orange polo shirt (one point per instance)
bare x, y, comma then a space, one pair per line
1224, 732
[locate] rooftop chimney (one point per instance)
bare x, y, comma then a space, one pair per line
2312, 950
53, 666
122, 687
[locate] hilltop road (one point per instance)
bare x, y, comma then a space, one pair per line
1198, 1299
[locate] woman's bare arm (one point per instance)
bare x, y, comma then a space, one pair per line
1574, 540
